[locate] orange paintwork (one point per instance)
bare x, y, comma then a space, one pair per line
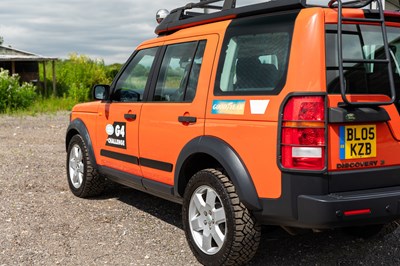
258, 150
158, 135
159, 130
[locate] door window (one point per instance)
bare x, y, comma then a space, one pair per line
132, 83
179, 73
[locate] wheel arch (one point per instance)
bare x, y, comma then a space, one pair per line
78, 127
211, 152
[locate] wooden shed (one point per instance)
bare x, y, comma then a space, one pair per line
26, 65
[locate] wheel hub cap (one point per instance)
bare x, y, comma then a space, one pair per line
76, 166
207, 220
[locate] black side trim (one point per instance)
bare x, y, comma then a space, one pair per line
357, 115
123, 178
167, 167
229, 160
120, 156
149, 186
77, 125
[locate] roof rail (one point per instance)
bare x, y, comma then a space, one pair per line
182, 18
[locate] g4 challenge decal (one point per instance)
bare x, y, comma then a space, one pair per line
116, 135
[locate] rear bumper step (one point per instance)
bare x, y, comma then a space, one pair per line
349, 208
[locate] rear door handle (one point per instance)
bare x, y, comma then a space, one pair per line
187, 119
130, 117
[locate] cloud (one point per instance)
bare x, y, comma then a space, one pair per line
106, 29
98, 28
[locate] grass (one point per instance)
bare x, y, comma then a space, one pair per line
45, 105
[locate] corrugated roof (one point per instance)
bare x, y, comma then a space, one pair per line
11, 54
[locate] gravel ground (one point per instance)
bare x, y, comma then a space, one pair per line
42, 223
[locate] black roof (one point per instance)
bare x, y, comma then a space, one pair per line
180, 18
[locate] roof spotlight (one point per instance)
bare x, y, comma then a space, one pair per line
161, 15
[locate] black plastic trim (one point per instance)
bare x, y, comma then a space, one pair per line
357, 115
306, 202
175, 22
130, 117
389, 17
187, 119
163, 166
120, 156
230, 161
149, 186
78, 125
328, 211
364, 179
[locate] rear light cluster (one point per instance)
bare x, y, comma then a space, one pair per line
303, 133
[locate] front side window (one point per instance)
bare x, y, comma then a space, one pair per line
131, 84
255, 56
179, 73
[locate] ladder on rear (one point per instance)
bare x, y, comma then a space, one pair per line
341, 61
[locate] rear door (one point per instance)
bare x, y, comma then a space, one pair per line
363, 140
175, 113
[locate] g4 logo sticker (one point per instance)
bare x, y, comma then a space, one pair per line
116, 135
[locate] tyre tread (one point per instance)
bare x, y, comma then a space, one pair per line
248, 232
94, 183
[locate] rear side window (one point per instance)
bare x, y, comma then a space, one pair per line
255, 55
179, 73
362, 42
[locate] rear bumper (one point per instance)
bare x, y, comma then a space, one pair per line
350, 208
308, 202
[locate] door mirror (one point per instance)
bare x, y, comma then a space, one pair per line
101, 92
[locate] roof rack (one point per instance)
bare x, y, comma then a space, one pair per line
182, 18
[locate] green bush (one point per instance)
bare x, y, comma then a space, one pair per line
14, 96
77, 75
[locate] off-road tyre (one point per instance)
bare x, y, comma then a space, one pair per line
87, 182
369, 231
242, 232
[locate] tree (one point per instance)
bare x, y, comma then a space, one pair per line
1, 40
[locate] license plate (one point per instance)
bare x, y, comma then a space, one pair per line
357, 141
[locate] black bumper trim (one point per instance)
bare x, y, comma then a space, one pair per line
307, 202
328, 211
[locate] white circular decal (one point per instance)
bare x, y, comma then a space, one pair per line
110, 129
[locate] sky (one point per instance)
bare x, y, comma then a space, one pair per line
101, 29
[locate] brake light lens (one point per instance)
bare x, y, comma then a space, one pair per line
303, 133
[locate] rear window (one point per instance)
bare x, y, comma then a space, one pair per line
255, 55
362, 42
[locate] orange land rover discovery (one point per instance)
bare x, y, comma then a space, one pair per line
278, 113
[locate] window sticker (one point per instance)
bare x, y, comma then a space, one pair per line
228, 107
258, 107
116, 135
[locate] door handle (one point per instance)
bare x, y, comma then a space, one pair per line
130, 117
187, 119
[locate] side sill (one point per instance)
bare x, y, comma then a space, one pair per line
145, 185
